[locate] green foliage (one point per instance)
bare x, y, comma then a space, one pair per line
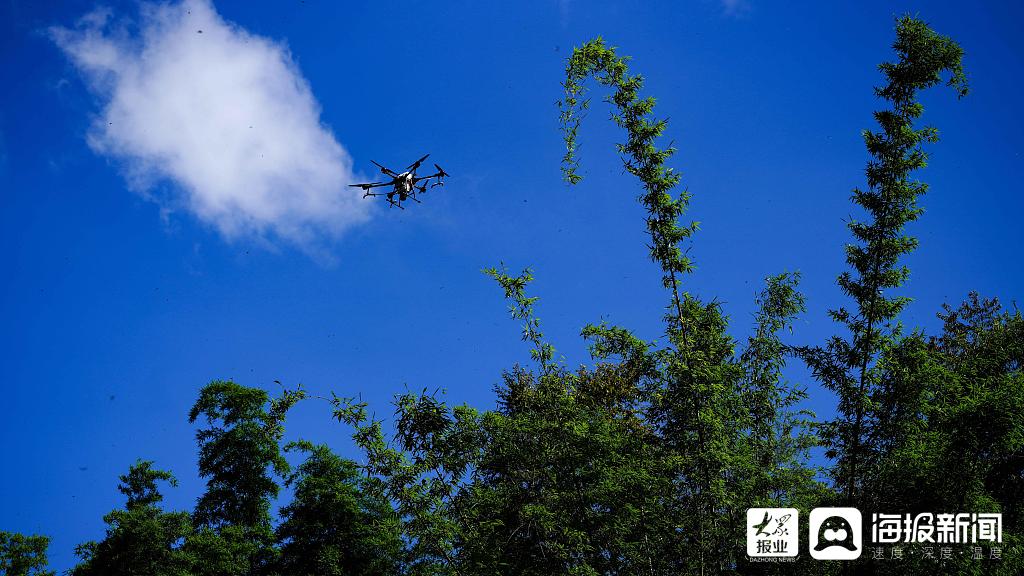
778, 434
238, 453
641, 157
334, 526
694, 384
142, 538
848, 366
967, 390
22, 555
139, 485
228, 551
568, 481
420, 473
522, 309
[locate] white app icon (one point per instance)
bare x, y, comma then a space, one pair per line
835, 533
773, 532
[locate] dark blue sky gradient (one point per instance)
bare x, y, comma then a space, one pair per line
113, 317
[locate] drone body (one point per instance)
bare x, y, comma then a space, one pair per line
405, 185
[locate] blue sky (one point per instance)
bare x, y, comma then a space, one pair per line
144, 258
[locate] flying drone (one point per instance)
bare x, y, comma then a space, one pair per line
405, 185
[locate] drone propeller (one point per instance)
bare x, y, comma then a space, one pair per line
384, 169
369, 185
417, 163
440, 171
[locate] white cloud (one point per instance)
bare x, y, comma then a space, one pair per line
222, 114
